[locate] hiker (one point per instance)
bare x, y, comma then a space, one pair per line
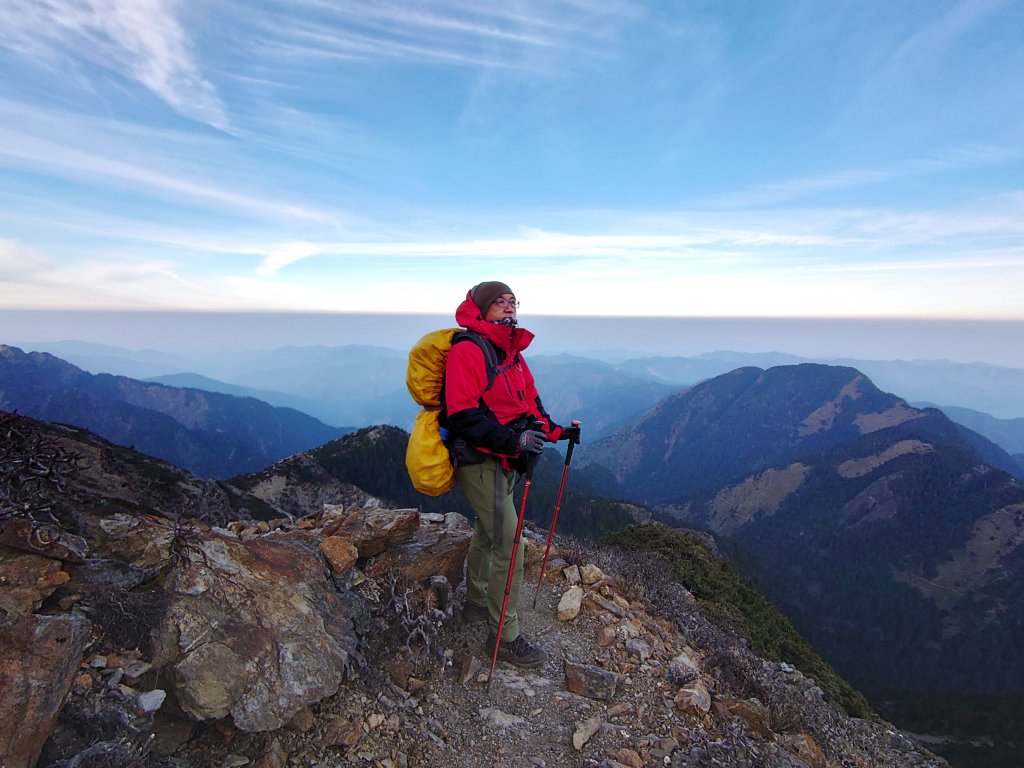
492, 438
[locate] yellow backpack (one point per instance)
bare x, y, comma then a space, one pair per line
426, 456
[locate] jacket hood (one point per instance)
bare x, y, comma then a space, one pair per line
508, 339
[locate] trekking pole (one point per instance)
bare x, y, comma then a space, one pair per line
531, 462
558, 506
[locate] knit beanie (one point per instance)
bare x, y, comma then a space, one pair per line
484, 294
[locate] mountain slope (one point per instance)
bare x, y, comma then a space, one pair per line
207, 433
886, 535
108, 479
1007, 433
205, 383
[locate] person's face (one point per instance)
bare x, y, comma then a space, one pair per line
502, 307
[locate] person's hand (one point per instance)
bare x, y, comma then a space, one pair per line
571, 433
531, 441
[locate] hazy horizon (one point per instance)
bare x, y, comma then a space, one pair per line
962, 341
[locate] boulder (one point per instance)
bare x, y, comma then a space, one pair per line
44, 539
341, 553
434, 549
39, 656
572, 574
27, 579
372, 529
569, 605
255, 628
591, 574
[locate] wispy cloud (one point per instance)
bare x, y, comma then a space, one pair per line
106, 152
140, 40
532, 38
285, 254
18, 263
932, 42
778, 192
968, 156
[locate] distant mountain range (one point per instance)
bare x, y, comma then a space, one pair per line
892, 537
361, 385
1007, 433
207, 433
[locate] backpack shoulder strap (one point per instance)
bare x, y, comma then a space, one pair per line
490, 354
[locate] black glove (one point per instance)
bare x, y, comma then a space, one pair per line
531, 441
571, 433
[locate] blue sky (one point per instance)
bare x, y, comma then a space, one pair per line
786, 158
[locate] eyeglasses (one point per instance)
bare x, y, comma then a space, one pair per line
505, 303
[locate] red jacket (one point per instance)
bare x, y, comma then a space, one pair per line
491, 419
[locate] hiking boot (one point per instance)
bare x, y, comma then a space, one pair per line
473, 614
518, 652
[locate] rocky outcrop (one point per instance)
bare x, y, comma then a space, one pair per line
248, 625
39, 656
259, 626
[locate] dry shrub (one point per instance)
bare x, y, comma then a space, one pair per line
128, 618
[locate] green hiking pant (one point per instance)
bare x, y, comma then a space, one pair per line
488, 489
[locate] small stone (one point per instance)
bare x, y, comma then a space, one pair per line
302, 720
694, 697
591, 574
170, 733
340, 553
570, 603
136, 668
342, 732
150, 701
606, 636
619, 709
555, 566
805, 747
399, 672
274, 757
234, 761
590, 681
682, 669
497, 717
638, 648
606, 605
470, 668
572, 574
585, 731
629, 757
